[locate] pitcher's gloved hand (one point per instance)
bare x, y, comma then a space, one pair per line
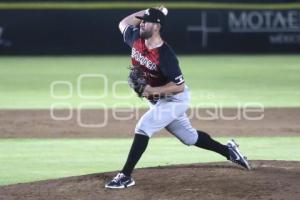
136, 80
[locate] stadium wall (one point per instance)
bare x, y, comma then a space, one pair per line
195, 27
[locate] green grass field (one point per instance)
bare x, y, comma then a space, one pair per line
227, 81
24, 160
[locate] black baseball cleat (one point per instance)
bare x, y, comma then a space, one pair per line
120, 181
236, 156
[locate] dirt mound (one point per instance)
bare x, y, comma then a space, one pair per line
268, 180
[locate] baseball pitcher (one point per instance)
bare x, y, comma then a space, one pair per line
155, 74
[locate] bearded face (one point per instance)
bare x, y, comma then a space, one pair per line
145, 34
146, 29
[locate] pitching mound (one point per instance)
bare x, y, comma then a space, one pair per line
268, 180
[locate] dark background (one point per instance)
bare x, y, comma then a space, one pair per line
242, 1
25, 31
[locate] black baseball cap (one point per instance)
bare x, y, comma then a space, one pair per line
153, 15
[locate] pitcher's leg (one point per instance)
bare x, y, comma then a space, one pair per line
138, 147
184, 131
160, 116
151, 122
206, 142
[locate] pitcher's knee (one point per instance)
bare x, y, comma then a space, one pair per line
142, 132
189, 140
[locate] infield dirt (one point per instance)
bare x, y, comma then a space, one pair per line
40, 124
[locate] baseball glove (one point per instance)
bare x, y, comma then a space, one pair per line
137, 80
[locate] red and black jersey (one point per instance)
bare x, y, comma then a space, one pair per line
160, 64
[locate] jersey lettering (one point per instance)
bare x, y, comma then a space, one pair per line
143, 60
